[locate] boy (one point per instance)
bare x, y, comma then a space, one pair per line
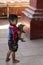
12, 37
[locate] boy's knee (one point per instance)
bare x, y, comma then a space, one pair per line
9, 51
13, 52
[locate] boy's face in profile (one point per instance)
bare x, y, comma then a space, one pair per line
14, 22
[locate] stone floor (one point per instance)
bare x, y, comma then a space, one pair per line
29, 52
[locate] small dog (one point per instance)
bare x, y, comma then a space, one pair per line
20, 27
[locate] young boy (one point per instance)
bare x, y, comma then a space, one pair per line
12, 37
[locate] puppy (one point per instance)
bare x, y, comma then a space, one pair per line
20, 27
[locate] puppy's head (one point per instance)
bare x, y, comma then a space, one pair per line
20, 27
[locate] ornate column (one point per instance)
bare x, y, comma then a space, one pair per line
34, 13
36, 23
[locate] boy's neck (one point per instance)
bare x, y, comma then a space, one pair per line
12, 24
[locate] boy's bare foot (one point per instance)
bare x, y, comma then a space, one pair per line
7, 59
15, 61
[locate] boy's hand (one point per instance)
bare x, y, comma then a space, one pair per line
18, 32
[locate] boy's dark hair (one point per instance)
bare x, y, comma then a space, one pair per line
12, 17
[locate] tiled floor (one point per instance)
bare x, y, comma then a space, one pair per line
29, 52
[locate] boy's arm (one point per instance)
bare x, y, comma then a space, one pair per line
10, 34
19, 34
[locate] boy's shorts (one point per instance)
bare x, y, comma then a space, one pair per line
13, 45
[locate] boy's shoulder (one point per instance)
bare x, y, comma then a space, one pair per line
13, 27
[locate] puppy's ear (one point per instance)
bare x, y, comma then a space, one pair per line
21, 25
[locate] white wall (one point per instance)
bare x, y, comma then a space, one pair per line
4, 1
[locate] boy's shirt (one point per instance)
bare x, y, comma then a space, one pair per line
12, 32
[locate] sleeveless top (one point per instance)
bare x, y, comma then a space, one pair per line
12, 32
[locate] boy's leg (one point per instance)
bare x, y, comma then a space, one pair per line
8, 55
13, 58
